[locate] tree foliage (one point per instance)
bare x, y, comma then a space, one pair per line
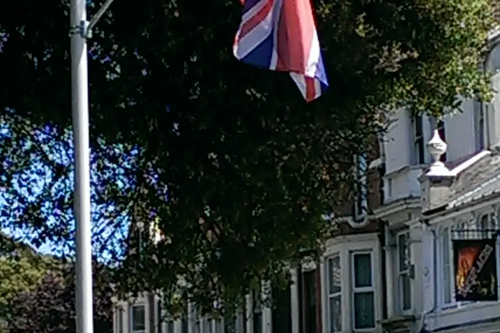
21, 270
230, 162
50, 308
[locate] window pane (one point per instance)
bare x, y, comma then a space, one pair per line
362, 270
120, 320
334, 277
170, 326
364, 316
484, 223
160, 318
335, 314
138, 318
257, 322
184, 324
405, 292
402, 252
309, 301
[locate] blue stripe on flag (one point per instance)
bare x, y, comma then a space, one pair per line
262, 55
249, 4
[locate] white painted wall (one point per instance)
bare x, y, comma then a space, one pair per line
460, 132
493, 115
401, 178
396, 142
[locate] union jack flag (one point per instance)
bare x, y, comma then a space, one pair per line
281, 35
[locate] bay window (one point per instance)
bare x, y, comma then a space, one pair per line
334, 302
363, 291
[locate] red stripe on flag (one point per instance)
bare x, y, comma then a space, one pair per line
295, 35
310, 89
256, 19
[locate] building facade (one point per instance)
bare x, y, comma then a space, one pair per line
442, 185
339, 292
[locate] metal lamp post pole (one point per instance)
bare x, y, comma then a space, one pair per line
80, 31
80, 114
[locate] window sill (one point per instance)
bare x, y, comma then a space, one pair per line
465, 306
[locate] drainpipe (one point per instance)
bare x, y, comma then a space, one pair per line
300, 286
382, 240
421, 328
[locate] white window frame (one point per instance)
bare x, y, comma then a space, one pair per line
361, 201
119, 317
131, 317
447, 297
333, 295
356, 290
401, 273
418, 140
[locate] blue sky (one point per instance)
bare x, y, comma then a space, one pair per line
29, 183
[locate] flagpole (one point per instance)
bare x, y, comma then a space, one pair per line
80, 115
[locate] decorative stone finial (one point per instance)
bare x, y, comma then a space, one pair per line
437, 147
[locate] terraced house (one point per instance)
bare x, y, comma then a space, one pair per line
341, 291
441, 188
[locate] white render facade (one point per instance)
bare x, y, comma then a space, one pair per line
348, 295
428, 203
